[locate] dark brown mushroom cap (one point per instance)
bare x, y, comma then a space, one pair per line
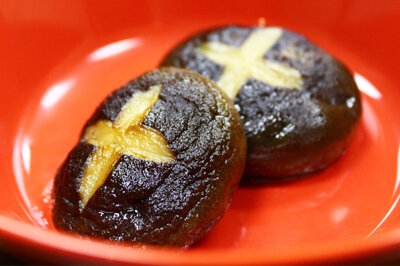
289, 131
160, 203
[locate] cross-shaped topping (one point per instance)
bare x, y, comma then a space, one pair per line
248, 61
126, 135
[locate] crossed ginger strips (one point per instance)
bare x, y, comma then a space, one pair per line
247, 61
126, 135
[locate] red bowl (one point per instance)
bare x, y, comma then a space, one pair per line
59, 59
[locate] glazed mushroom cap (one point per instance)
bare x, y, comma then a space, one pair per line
157, 163
298, 104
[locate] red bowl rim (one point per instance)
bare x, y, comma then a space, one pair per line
68, 245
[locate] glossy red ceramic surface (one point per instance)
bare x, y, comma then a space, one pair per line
59, 59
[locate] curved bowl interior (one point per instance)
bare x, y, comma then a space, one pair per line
59, 59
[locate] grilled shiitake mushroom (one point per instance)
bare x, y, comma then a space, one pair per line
157, 163
298, 104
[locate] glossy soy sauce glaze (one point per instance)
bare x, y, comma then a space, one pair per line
173, 203
289, 131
